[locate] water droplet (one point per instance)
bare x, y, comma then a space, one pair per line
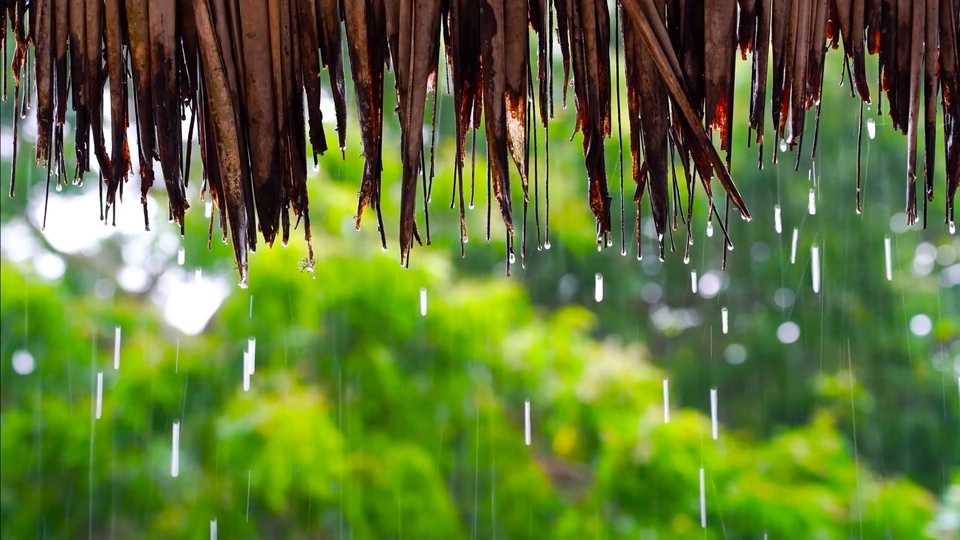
812, 203
788, 332
23, 362
609, 242
180, 256
710, 229
703, 501
316, 166
714, 424
527, 435
513, 258
175, 454
99, 407
783, 145
666, 401
793, 246
116, 348
693, 281
470, 206
598, 288
208, 209
59, 186
546, 245
466, 239
213, 529
871, 128
423, 301
247, 370
686, 259
887, 258
252, 352
724, 320
815, 267
952, 227
777, 222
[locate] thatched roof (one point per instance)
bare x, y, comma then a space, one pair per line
237, 70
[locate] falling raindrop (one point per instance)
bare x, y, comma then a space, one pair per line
887, 258
714, 428
666, 401
812, 203
815, 267
252, 351
724, 320
180, 256
710, 229
783, 145
246, 371
793, 246
116, 348
871, 128
777, 223
175, 455
99, 393
703, 502
598, 288
423, 301
693, 281
213, 529
208, 210
526, 423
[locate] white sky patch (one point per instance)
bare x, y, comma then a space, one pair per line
189, 304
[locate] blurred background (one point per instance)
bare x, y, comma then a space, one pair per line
388, 402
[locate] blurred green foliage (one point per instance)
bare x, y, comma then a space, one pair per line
366, 420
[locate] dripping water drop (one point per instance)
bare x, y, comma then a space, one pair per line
180, 256
423, 301
666, 401
871, 128
724, 320
812, 203
815, 267
793, 245
887, 258
710, 229
99, 393
693, 281
714, 427
527, 436
777, 222
116, 348
598, 287
175, 454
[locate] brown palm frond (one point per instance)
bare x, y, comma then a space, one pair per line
237, 71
